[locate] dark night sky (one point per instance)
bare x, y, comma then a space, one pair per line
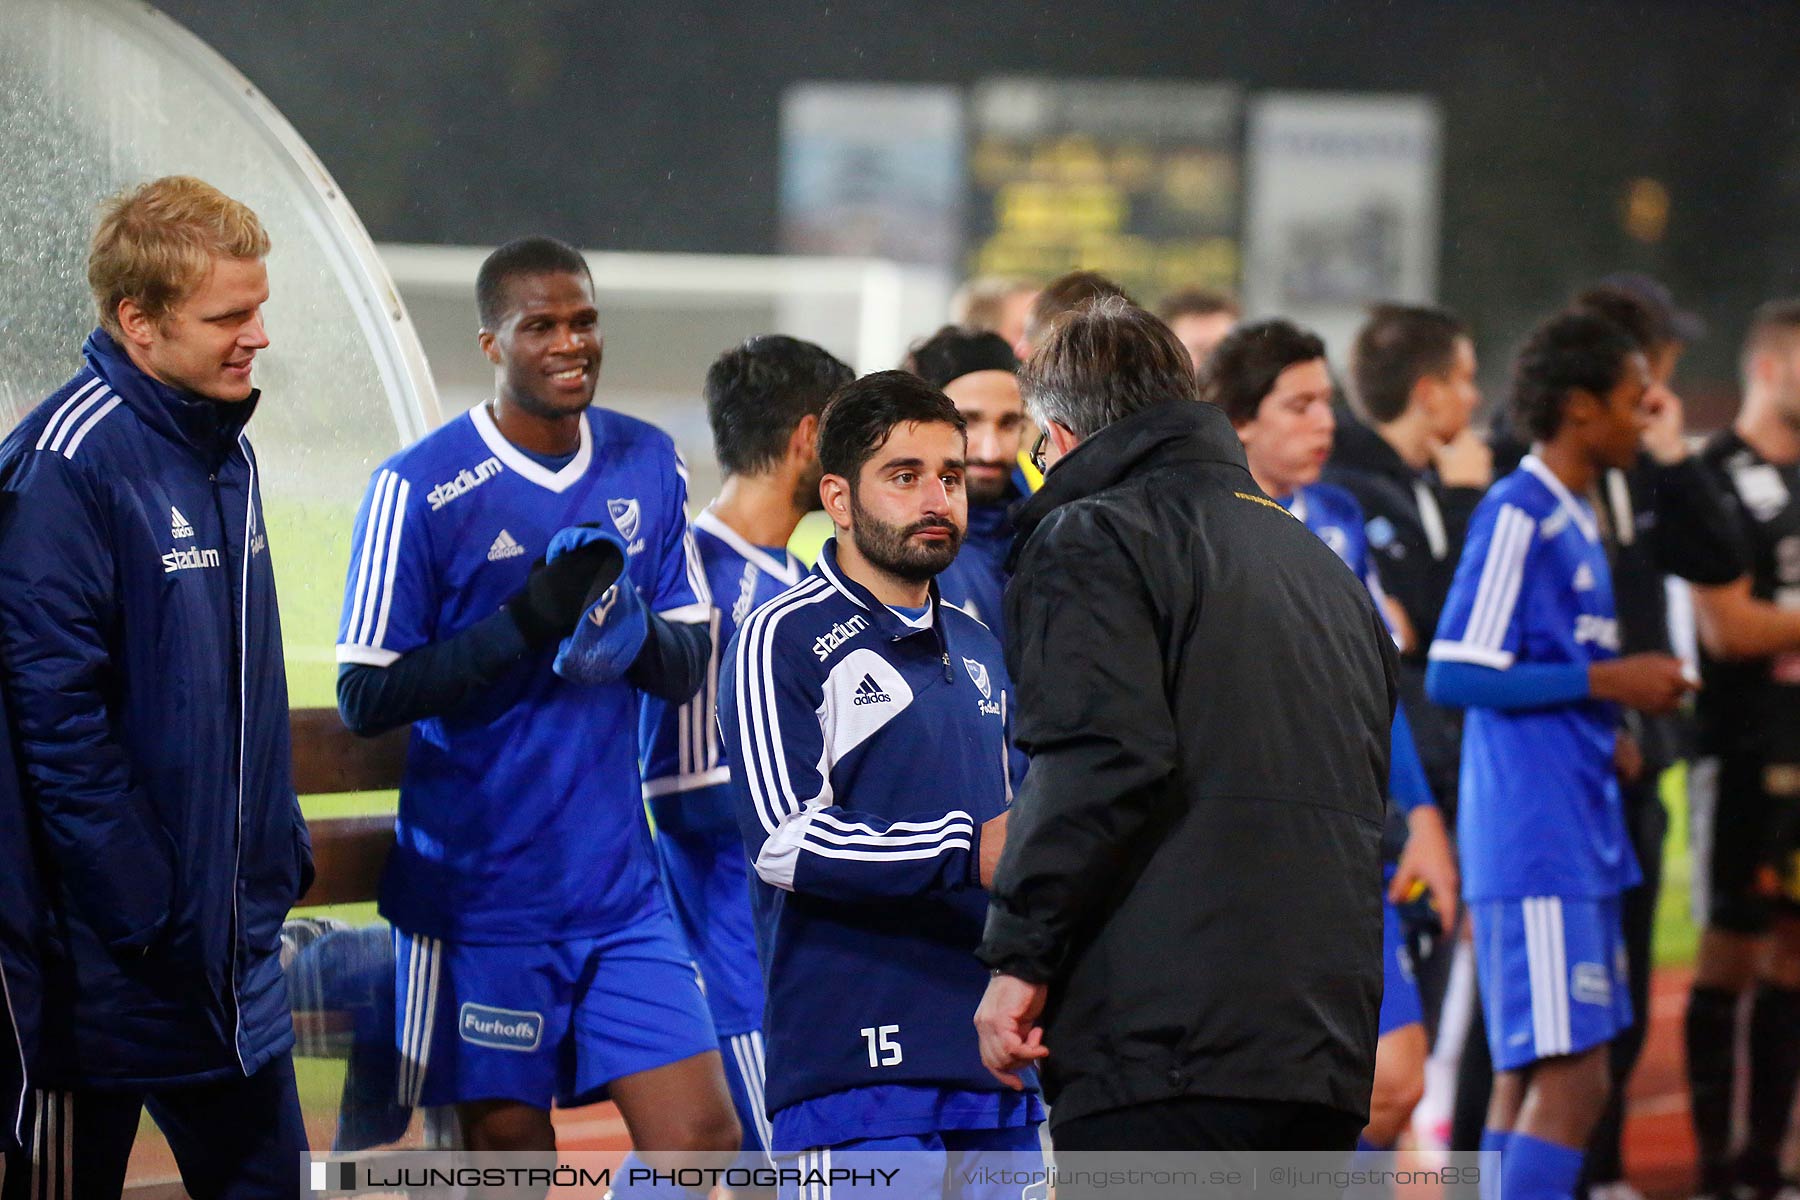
655, 127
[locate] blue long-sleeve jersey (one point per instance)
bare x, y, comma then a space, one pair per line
867, 752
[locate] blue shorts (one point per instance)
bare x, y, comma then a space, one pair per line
1400, 1004
708, 881
948, 1165
552, 1021
1553, 976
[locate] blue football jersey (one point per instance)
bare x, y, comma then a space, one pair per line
1540, 812
679, 743
1334, 515
521, 815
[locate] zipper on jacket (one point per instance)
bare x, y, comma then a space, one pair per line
238, 622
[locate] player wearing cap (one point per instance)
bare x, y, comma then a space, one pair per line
979, 373
536, 958
763, 399
1528, 644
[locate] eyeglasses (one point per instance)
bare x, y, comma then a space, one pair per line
1037, 450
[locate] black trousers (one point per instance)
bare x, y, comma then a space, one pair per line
1231, 1130
1212, 1123
240, 1137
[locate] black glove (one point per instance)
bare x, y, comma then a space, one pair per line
555, 595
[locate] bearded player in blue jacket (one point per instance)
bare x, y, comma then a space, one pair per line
536, 958
1272, 380
870, 727
763, 400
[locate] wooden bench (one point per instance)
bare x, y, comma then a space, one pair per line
348, 852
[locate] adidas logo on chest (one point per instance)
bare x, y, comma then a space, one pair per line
869, 692
179, 526
504, 547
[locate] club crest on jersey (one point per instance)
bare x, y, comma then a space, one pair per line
626, 516
978, 674
1761, 489
1337, 539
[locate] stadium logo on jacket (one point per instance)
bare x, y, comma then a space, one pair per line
189, 560
978, 674
464, 482
837, 635
626, 515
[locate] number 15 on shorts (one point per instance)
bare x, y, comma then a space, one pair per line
884, 1049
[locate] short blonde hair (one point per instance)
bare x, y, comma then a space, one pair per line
156, 242
980, 303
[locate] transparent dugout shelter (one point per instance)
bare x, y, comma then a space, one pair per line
98, 95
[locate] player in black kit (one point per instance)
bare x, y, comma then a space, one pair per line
1745, 787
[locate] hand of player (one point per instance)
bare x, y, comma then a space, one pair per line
1465, 461
556, 593
1006, 1027
1651, 683
1664, 427
1404, 638
993, 841
1428, 860
1628, 758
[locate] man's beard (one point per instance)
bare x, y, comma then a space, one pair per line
983, 490
890, 548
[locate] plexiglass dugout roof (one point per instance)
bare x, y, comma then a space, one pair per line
98, 95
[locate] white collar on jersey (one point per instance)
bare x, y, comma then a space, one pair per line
788, 572
1578, 512
517, 460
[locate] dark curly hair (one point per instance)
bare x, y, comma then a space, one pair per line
1576, 350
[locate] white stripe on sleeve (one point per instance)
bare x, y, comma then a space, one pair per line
1501, 576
